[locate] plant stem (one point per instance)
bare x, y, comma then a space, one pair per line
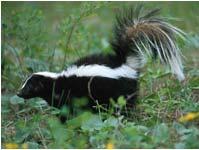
17, 57
68, 41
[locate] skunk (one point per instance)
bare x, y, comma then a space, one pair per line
99, 77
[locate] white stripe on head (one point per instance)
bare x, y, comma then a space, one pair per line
25, 82
45, 74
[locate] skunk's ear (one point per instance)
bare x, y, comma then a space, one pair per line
31, 87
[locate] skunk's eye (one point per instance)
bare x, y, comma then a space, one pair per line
41, 85
30, 86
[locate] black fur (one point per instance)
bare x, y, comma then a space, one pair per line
111, 60
58, 92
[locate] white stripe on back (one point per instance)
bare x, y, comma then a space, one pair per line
48, 74
94, 70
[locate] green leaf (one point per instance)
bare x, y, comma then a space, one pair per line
93, 123
32, 145
16, 100
180, 128
58, 132
64, 111
36, 103
77, 121
22, 133
111, 122
180, 146
121, 101
161, 133
55, 111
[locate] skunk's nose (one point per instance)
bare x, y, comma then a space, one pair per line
19, 93
23, 93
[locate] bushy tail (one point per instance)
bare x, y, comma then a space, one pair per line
137, 35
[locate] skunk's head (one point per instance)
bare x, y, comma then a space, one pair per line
37, 85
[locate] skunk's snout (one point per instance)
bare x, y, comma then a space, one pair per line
23, 93
19, 93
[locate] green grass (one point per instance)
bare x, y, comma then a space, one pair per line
50, 35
